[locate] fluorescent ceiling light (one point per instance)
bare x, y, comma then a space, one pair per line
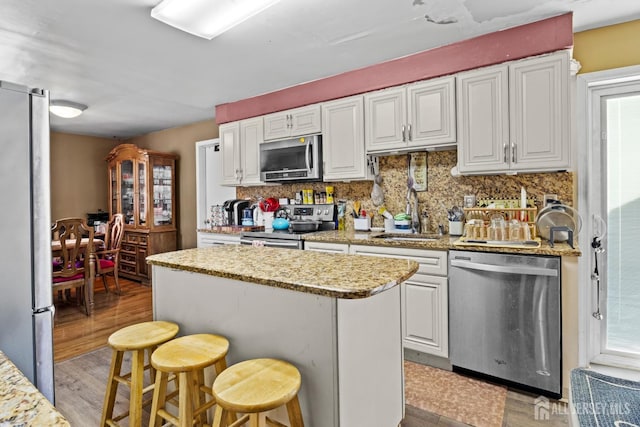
208, 18
66, 109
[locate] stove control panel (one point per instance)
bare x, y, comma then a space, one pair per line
326, 213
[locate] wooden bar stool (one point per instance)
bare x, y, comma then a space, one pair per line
137, 339
256, 386
186, 357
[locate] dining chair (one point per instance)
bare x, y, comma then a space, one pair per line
108, 259
71, 266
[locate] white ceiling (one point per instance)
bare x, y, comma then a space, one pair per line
138, 75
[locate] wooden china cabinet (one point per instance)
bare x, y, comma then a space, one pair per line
142, 186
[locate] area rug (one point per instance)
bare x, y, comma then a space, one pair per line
602, 401
454, 396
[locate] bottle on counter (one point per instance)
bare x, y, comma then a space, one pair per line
329, 191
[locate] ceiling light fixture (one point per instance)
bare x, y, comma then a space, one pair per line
207, 18
66, 109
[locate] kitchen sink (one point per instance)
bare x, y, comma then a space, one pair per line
407, 237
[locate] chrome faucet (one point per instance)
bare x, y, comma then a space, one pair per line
413, 210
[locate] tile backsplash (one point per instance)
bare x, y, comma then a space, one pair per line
443, 190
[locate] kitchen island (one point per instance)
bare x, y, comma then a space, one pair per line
335, 317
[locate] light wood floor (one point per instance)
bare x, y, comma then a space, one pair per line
74, 333
81, 381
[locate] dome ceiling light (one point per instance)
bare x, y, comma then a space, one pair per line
66, 109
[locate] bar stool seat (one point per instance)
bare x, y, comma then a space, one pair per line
256, 386
138, 339
186, 357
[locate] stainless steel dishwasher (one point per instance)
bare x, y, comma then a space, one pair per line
504, 317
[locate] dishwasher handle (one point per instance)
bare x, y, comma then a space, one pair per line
519, 269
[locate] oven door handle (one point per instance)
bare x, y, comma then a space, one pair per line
269, 243
520, 269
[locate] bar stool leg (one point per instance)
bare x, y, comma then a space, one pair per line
152, 370
200, 396
294, 412
221, 417
159, 398
112, 387
185, 381
135, 400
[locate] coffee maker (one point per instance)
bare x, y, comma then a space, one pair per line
228, 206
238, 207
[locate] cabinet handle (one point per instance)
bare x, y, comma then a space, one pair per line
504, 152
289, 121
404, 137
513, 153
409, 131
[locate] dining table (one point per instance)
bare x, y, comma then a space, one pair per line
56, 248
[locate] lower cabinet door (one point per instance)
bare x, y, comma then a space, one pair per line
425, 323
143, 267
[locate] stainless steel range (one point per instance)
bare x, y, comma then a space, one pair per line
324, 214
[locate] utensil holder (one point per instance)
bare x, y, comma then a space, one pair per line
455, 228
362, 224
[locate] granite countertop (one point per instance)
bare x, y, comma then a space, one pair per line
332, 275
229, 229
21, 404
445, 243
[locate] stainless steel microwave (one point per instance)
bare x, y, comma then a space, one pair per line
295, 159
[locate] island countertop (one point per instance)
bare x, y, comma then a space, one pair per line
332, 275
21, 404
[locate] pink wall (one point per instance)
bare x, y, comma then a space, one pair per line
536, 38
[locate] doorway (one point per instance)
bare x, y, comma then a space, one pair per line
609, 184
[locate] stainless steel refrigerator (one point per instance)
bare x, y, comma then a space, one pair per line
26, 310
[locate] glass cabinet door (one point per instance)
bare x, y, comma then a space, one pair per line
142, 194
113, 183
162, 194
127, 191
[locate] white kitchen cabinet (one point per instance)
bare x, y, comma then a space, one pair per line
239, 143
424, 296
206, 239
291, 123
514, 117
343, 140
334, 248
411, 117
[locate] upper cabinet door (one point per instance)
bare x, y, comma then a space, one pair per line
385, 119
343, 139
432, 113
251, 136
306, 120
539, 98
519, 124
483, 120
277, 125
230, 148
291, 123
